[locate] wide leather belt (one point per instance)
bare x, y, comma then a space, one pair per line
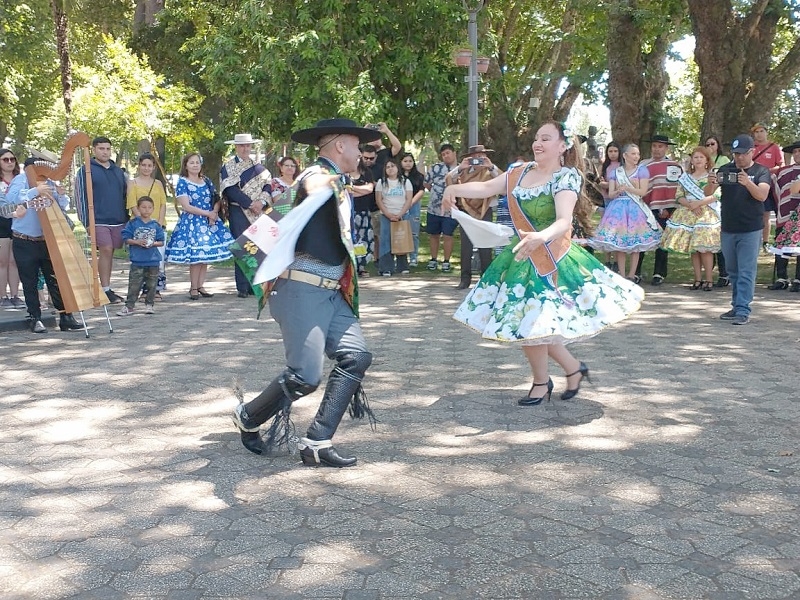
30, 238
311, 279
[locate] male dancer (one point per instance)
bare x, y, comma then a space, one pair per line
315, 302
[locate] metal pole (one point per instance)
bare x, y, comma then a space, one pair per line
472, 30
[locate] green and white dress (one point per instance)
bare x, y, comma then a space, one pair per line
512, 303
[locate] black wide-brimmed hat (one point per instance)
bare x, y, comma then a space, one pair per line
325, 127
791, 147
664, 139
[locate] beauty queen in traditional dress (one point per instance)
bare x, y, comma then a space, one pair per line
694, 227
628, 226
543, 291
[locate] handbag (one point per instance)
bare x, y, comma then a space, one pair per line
402, 239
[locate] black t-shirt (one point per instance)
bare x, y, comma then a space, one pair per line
383, 155
365, 202
741, 213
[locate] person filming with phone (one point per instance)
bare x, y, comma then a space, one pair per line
474, 166
744, 188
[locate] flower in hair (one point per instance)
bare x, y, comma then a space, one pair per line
568, 137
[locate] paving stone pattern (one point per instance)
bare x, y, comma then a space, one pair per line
673, 476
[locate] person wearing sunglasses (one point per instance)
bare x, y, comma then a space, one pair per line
9, 277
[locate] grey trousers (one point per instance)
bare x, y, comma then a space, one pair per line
314, 323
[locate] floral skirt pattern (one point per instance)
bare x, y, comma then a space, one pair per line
511, 303
789, 235
687, 232
363, 233
624, 228
194, 241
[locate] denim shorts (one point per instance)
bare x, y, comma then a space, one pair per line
438, 224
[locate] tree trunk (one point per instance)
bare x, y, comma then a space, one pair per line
145, 14
62, 47
738, 79
637, 81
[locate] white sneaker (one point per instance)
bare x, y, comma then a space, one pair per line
148, 309
38, 327
125, 312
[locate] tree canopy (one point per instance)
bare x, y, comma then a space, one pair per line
194, 71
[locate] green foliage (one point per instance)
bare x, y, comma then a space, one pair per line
28, 71
125, 100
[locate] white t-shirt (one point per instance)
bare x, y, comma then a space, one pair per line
394, 195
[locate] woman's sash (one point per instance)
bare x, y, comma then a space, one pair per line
622, 178
693, 190
546, 257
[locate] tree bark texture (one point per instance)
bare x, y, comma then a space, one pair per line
637, 80
62, 47
738, 79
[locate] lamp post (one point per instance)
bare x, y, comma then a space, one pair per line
473, 7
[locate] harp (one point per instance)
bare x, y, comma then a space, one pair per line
78, 278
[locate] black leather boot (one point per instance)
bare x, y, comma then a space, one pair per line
68, 323
321, 453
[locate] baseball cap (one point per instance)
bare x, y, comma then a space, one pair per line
758, 125
742, 144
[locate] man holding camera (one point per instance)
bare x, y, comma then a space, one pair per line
475, 166
745, 186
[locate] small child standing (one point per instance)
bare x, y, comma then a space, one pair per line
144, 236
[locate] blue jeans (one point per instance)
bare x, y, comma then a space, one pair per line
414, 214
741, 259
386, 260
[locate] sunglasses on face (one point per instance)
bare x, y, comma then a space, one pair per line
8, 159
711, 144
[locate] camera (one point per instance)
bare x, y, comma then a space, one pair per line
372, 126
727, 177
475, 162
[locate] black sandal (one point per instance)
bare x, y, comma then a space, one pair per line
708, 286
697, 284
204, 293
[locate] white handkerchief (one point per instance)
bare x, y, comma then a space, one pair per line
483, 234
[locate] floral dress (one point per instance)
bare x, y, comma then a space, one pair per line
512, 303
624, 227
789, 235
687, 232
194, 241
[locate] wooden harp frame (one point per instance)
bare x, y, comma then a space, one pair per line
78, 279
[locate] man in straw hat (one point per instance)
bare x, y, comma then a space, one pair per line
315, 302
245, 184
475, 166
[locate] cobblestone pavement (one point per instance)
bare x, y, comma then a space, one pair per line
675, 475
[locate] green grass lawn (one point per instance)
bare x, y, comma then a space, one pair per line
680, 265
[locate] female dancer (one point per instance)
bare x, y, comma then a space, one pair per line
9, 277
417, 179
628, 227
694, 227
200, 237
543, 290
144, 184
